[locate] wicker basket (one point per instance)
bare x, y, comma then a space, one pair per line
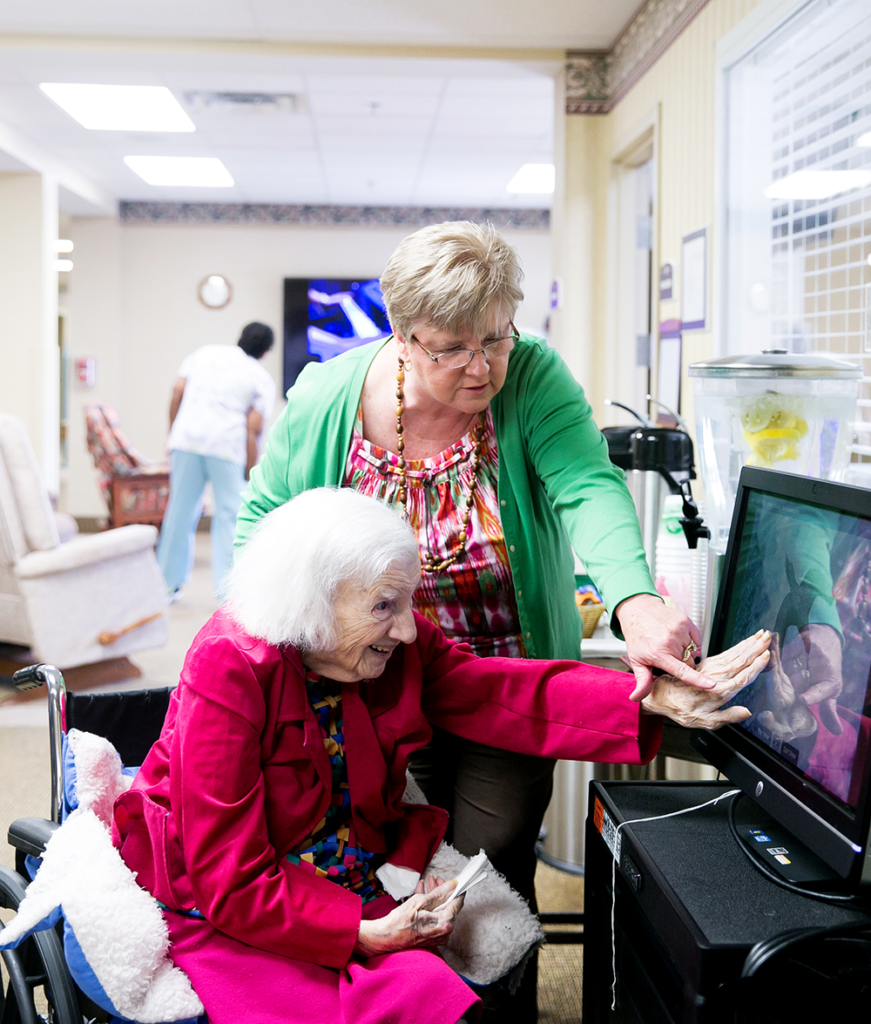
590, 615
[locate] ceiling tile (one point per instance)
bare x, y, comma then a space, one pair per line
434, 115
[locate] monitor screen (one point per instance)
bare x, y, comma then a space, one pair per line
799, 564
324, 317
804, 572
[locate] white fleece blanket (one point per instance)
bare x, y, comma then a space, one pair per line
117, 924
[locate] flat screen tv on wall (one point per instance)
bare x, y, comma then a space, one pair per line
324, 317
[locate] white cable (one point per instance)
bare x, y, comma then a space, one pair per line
635, 821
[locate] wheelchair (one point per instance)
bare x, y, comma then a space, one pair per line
45, 984
39, 987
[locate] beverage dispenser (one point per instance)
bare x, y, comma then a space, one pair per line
776, 409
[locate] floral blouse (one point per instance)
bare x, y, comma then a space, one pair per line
472, 600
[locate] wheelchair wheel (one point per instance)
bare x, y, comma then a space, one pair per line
37, 987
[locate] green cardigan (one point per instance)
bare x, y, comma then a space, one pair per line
557, 486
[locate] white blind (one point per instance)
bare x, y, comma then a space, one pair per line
805, 95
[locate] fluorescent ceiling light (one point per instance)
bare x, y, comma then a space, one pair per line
864, 140
63, 245
200, 171
121, 108
63, 264
817, 184
533, 178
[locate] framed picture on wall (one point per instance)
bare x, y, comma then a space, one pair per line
694, 277
324, 317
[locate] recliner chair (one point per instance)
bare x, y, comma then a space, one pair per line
97, 596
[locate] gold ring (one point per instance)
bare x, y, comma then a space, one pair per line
689, 650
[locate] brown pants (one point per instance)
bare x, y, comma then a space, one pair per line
496, 801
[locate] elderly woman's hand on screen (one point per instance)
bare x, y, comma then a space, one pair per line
730, 671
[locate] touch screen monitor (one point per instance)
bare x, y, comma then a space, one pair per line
324, 317
799, 563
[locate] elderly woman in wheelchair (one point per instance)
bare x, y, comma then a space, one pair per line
297, 878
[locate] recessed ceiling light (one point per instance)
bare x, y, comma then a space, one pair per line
864, 140
120, 108
200, 171
63, 264
533, 178
63, 245
817, 184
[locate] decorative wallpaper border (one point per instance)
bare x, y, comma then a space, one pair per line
327, 216
588, 89
595, 81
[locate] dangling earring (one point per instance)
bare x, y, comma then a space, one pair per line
406, 365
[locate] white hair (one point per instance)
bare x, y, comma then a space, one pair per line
454, 276
283, 584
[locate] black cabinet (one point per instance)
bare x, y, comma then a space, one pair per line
689, 907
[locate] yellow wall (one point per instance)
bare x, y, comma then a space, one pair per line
579, 242
678, 95
683, 83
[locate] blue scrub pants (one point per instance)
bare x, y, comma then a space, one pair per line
188, 474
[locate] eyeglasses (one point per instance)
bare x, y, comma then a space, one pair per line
457, 358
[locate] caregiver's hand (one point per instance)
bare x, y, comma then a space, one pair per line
700, 709
418, 923
659, 637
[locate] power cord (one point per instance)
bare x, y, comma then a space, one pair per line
772, 876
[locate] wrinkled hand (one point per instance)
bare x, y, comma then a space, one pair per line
700, 709
812, 660
656, 637
419, 923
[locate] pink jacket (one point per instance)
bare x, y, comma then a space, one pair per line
240, 774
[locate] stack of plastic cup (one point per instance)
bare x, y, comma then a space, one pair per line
699, 577
674, 559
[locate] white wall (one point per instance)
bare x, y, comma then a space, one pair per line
29, 363
132, 300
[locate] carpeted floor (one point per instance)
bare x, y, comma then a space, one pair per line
25, 777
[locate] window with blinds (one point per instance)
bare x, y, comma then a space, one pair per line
798, 192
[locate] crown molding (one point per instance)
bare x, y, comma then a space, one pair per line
596, 81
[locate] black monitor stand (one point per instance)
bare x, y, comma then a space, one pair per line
689, 907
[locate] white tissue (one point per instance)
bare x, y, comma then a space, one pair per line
471, 874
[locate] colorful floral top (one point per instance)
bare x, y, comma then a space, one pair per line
472, 600
330, 850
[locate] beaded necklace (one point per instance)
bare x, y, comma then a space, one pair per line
430, 563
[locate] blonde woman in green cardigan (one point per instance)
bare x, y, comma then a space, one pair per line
482, 439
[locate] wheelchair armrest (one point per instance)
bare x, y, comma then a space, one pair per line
30, 835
